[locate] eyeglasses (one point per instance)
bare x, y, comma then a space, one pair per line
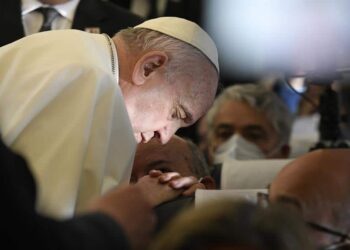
342, 244
336, 246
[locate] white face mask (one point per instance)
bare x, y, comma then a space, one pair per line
238, 148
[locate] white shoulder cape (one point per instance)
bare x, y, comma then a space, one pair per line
62, 109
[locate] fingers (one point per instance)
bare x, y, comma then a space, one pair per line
164, 177
155, 191
167, 177
155, 173
188, 184
183, 182
171, 177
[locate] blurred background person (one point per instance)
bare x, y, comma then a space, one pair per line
302, 99
24, 17
189, 9
317, 186
309, 107
306, 130
322, 115
234, 225
246, 122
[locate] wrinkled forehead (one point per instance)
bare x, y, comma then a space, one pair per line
242, 112
155, 147
198, 98
321, 176
146, 149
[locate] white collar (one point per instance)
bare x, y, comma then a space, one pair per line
66, 10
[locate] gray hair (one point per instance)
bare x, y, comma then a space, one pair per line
260, 98
183, 57
199, 165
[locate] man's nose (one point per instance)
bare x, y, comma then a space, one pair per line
167, 132
147, 136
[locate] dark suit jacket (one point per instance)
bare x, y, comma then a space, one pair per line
189, 9
23, 228
90, 13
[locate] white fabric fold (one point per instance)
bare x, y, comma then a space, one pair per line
250, 174
62, 109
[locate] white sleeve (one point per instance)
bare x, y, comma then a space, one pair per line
72, 127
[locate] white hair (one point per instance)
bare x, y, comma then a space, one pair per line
183, 58
260, 98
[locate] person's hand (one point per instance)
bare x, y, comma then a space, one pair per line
131, 205
188, 184
132, 211
157, 191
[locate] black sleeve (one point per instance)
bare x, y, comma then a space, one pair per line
167, 211
107, 16
88, 232
23, 228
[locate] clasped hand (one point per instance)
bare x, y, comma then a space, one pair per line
159, 187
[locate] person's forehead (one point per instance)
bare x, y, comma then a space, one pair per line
173, 156
154, 149
312, 175
328, 163
196, 98
176, 145
240, 113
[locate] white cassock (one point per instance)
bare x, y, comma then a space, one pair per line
62, 109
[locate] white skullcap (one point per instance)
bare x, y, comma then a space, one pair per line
186, 31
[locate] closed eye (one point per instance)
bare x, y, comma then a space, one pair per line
187, 117
254, 133
224, 131
159, 165
181, 114
164, 169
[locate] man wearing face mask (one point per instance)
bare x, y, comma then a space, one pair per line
247, 122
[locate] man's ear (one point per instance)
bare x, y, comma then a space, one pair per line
148, 64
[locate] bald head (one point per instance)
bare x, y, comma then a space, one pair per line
168, 68
318, 184
178, 155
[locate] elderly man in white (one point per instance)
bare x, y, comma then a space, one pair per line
73, 103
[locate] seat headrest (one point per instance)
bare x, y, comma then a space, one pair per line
202, 196
250, 174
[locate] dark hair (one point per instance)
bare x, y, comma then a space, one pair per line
235, 224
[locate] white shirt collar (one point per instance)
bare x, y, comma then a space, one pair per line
67, 9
